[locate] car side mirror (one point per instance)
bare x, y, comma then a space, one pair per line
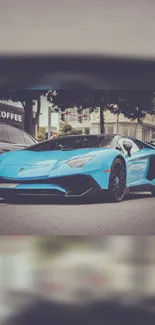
127, 146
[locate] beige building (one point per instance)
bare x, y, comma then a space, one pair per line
124, 126
113, 124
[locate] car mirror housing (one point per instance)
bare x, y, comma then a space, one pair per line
127, 146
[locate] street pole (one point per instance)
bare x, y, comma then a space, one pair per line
49, 122
117, 123
58, 129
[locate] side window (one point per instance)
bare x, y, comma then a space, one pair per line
2, 134
135, 147
139, 144
14, 135
28, 140
106, 141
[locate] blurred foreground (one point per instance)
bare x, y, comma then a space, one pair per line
73, 279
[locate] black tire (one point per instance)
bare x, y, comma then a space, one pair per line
117, 182
153, 192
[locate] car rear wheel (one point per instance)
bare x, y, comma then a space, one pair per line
117, 182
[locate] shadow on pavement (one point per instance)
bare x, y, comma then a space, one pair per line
101, 314
74, 201
138, 196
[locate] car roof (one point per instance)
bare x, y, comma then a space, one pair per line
11, 126
85, 136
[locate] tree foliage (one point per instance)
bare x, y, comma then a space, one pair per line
50, 246
41, 134
133, 104
67, 129
76, 131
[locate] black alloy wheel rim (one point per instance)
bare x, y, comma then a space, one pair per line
118, 180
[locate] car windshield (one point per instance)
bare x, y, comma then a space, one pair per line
73, 142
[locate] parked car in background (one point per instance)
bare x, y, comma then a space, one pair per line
12, 138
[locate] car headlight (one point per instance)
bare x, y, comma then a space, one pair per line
79, 162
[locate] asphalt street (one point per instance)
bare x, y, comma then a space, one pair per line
134, 216
49, 313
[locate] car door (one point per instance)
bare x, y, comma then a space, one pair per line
137, 164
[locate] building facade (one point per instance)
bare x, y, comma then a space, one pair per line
90, 123
74, 120
122, 125
113, 124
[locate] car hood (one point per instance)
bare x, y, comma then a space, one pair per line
26, 163
44, 158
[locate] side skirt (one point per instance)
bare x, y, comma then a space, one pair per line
141, 188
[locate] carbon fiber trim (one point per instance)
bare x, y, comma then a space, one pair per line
74, 185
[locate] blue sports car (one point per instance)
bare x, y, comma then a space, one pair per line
76, 166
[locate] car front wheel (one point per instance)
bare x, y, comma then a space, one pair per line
117, 182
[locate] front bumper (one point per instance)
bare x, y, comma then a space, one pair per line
66, 186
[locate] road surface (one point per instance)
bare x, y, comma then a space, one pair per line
135, 215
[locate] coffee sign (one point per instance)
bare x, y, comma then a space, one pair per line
11, 115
